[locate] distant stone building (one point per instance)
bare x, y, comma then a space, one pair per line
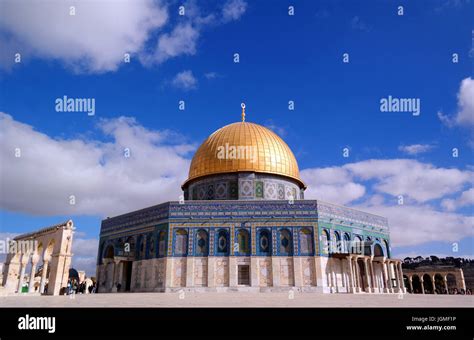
243, 224
438, 276
47, 253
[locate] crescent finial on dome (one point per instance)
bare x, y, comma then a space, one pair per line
243, 111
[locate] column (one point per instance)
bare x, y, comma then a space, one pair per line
343, 274
31, 286
411, 284
401, 276
43, 276
233, 271
190, 271
254, 272
374, 278
461, 281
445, 281
367, 276
422, 286
211, 267
333, 274
384, 276
401, 283
118, 270
357, 275
351, 273
433, 280
22, 275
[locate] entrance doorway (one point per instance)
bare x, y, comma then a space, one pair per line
244, 275
127, 274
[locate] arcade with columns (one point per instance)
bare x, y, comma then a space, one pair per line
45, 255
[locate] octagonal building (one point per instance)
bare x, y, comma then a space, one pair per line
244, 225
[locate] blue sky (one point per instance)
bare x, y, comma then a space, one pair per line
282, 58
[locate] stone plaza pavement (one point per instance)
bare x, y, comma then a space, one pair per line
238, 299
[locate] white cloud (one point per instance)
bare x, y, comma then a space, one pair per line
331, 184
464, 116
85, 247
185, 80
416, 224
211, 75
103, 181
87, 264
93, 40
465, 199
373, 183
85, 254
182, 40
279, 130
415, 149
233, 10
419, 181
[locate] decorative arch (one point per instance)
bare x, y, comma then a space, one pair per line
141, 248
346, 243
337, 242
378, 250
264, 241
306, 242
49, 250
222, 242
151, 246
427, 284
243, 241
387, 248
439, 284
324, 242
416, 284
356, 246
285, 243
181, 243
201, 247
109, 252
161, 244
406, 283
451, 281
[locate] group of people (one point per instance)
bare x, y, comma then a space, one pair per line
74, 287
461, 291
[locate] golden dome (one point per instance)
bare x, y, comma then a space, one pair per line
262, 151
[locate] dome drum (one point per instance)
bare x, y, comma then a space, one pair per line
243, 186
